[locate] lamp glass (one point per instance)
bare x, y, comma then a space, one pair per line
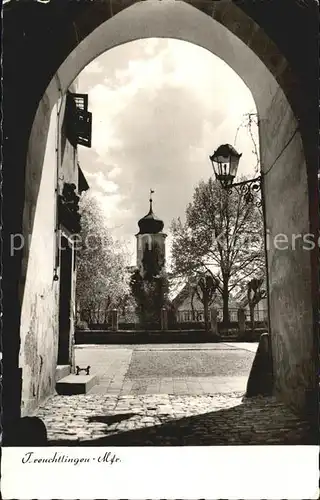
234, 163
225, 162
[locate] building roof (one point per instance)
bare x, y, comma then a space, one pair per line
181, 295
82, 181
241, 297
186, 292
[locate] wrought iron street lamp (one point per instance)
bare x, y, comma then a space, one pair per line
225, 162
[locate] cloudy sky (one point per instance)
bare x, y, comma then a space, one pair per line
160, 107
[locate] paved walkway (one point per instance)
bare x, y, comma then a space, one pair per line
110, 365
186, 369
247, 346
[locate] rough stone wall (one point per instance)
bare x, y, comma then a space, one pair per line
40, 304
39, 316
289, 266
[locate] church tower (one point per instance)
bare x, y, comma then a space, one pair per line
150, 244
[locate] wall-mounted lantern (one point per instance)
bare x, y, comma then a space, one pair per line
225, 162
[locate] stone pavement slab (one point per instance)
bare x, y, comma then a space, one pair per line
247, 346
110, 366
76, 384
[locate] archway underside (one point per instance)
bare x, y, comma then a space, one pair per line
77, 33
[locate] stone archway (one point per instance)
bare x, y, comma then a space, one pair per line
248, 36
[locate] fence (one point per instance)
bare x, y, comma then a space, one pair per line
95, 316
102, 317
127, 318
188, 316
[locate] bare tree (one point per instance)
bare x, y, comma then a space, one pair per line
250, 123
205, 288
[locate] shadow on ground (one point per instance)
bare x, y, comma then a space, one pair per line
111, 419
246, 424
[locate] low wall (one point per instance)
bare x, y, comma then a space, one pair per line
142, 337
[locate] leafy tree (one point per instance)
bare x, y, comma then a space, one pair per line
102, 278
152, 263
151, 294
222, 232
150, 290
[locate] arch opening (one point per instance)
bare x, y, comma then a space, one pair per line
234, 37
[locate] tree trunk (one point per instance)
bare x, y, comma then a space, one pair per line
206, 313
251, 308
192, 307
225, 298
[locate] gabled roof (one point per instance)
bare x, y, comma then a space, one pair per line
241, 297
182, 295
185, 292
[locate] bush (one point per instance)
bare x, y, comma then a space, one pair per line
82, 325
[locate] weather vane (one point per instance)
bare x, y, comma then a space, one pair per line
150, 199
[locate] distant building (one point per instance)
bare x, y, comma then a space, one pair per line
188, 306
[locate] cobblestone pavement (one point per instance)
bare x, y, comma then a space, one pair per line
169, 395
145, 420
182, 369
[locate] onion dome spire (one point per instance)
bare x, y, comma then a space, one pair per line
150, 223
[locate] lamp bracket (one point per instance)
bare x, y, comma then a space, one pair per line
249, 188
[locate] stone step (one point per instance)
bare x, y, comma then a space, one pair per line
62, 371
76, 384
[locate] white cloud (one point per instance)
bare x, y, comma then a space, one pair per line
94, 67
101, 182
160, 107
115, 172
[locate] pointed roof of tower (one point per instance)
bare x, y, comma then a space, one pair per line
150, 223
